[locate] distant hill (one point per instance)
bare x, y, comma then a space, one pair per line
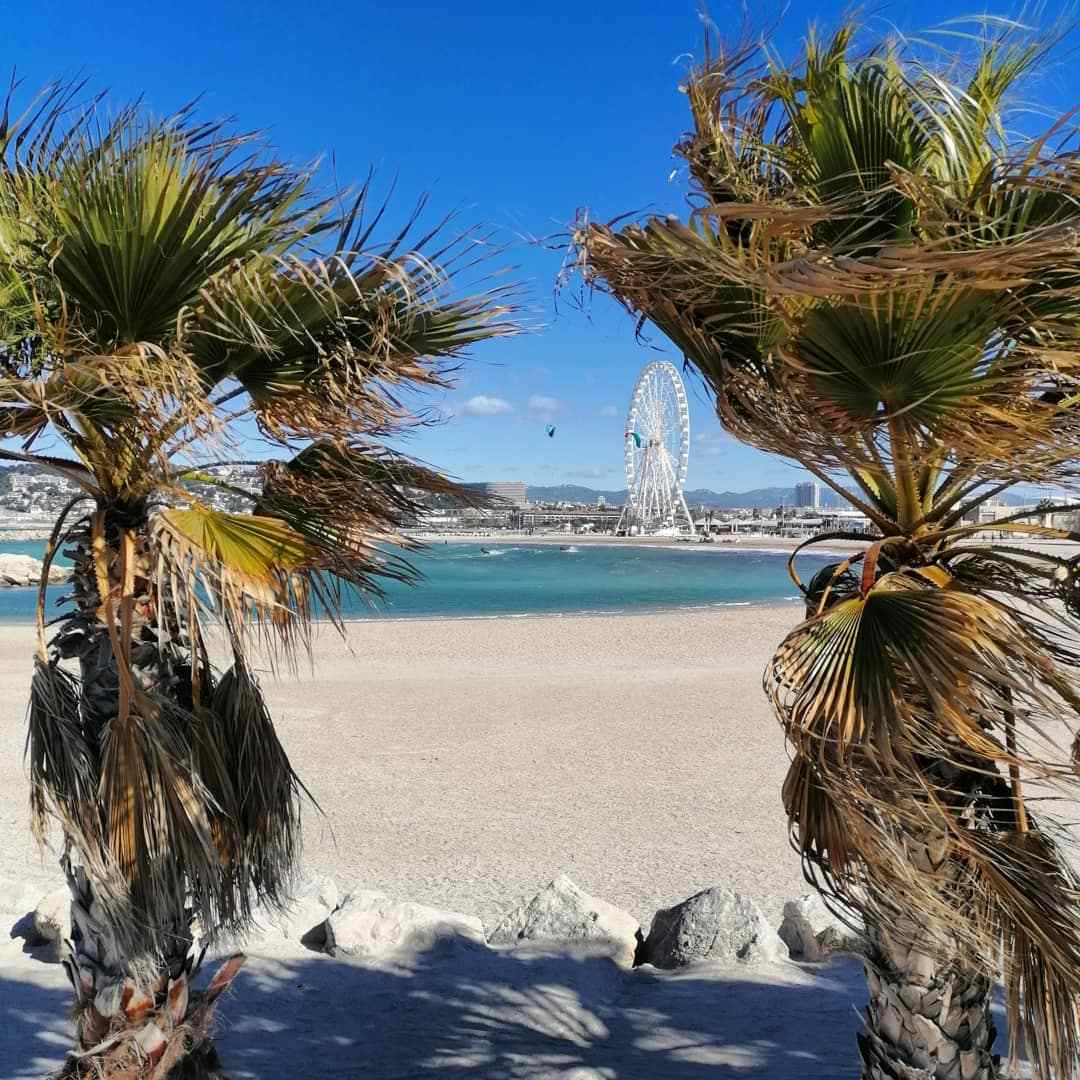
767, 497
574, 493
727, 500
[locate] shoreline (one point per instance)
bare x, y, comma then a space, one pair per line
642, 611
768, 544
772, 545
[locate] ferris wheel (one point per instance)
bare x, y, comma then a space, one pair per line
657, 452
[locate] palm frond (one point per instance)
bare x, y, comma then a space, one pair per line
315, 342
899, 703
137, 217
266, 792
235, 566
62, 762
349, 502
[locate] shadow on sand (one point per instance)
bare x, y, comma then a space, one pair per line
461, 1010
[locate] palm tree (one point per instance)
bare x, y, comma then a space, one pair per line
879, 279
168, 293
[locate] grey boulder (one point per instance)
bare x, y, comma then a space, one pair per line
313, 898
563, 913
812, 933
369, 925
715, 924
52, 917
23, 570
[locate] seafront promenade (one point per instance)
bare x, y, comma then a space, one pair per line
1064, 548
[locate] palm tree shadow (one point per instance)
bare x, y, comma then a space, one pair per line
460, 1010
35, 1032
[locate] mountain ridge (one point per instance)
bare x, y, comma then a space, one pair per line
764, 497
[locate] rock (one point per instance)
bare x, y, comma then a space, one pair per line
314, 897
812, 932
715, 924
19, 570
18, 899
24, 570
369, 925
59, 574
52, 917
798, 935
564, 913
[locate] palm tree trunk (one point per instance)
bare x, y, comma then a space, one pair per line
928, 1017
136, 1016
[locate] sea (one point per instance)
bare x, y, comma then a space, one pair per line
491, 579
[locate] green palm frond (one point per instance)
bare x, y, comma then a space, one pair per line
242, 558
311, 339
916, 354
165, 285
855, 124
878, 281
137, 218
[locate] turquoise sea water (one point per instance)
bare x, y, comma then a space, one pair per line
471, 579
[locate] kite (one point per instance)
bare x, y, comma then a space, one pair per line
550, 429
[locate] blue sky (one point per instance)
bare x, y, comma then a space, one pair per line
517, 113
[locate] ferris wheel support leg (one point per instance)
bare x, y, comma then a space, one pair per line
686, 510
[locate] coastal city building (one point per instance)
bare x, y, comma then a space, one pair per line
30, 497
509, 492
28, 492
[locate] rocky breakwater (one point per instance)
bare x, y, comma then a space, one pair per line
23, 570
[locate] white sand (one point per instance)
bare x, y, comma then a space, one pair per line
463, 763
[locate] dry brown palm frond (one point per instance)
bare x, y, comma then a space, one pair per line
267, 790
907, 708
350, 500
913, 668
157, 832
242, 572
63, 764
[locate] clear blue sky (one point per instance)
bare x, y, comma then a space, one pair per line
519, 113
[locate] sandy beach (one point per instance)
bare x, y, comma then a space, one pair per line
463, 764
466, 762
